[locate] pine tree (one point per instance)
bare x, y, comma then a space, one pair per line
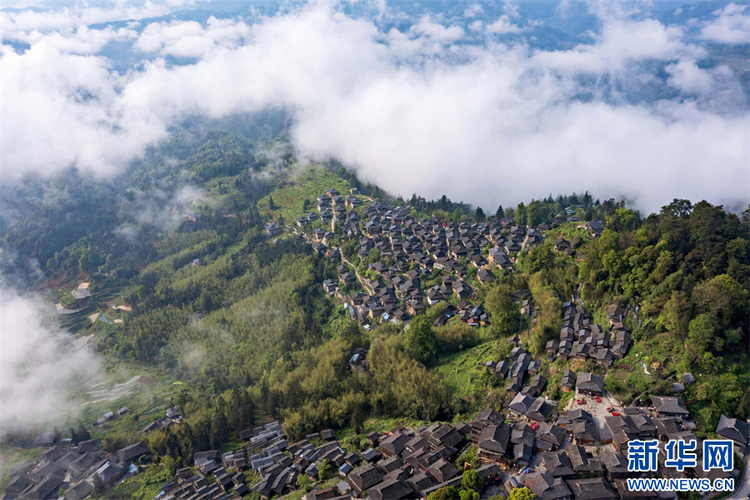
479, 214
83, 434
357, 419
219, 428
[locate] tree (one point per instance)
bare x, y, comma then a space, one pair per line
170, 465
444, 493
472, 481
357, 420
535, 214
504, 315
271, 206
304, 482
678, 208
521, 214
624, 219
676, 314
73, 436
325, 470
701, 334
420, 341
219, 427
521, 494
479, 214
468, 495
723, 299
469, 457
499, 213
82, 433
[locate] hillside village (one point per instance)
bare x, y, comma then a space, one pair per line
375, 250
418, 262
394, 264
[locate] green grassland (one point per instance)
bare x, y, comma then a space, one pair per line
143, 486
570, 232
464, 371
306, 183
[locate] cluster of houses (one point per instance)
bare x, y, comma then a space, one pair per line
516, 369
416, 249
71, 469
582, 471
222, 476
572, 456
401, 463
74, 468
594, 228
576, 457
171, 417
581, 338
187, 485
563, 246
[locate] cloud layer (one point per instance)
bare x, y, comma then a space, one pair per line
414, 109
40, 373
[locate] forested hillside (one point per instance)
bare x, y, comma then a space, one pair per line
210, 300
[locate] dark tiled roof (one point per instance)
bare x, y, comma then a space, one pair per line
591, 489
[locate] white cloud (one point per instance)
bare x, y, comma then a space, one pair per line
156, 208
436, 31
41, 375
191, 39
620, 43
731, 26
476, 25
493, 142
688, 77
503, 26
473, 10
66, 19
413, 110
61, 109
82, 40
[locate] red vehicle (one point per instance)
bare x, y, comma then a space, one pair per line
611, 409
579, 401
584, 401
615, 414
598, 399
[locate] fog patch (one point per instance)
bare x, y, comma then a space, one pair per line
156, 208
42, 376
